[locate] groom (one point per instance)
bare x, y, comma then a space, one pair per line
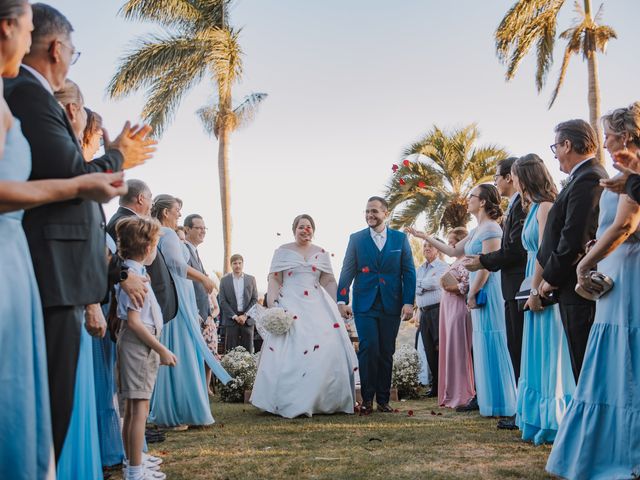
380, 261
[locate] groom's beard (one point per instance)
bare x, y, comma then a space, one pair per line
374, 222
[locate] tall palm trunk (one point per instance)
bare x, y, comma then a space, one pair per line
594, 81
224, 136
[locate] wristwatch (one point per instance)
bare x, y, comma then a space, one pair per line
534, 292
124, 274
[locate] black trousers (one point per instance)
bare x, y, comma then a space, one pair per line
577, 320
430, 331
239, 335
514, 320
62, 335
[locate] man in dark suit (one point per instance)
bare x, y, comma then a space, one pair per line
572, 222
511, 260
66, 239
195, 231
137, 201
238, 293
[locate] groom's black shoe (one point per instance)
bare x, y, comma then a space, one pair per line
366, 408
469, 407
433, 392
507, 423
385, 408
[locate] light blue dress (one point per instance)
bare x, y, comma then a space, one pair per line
26, 445
110, 433
599, 437
495, 381
80, 455
104, 361
546, 381
181, 396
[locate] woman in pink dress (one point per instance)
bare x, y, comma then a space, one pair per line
456, 386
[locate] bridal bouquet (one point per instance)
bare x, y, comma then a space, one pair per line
406, 369
275, 321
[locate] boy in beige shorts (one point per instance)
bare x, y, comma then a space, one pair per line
139, 351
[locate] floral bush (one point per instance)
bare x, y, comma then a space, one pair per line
406, 370
242, 366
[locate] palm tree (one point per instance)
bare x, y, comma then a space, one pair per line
197, 44
530, 22
444, 169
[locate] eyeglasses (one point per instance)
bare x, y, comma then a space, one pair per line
473, 195
554, 147
75, 55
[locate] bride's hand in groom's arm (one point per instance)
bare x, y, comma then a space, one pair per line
345, 310
407, 312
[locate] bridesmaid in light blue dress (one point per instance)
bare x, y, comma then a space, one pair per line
546, 381
26, 444
494, 377
495, 380
600, 435
181, 396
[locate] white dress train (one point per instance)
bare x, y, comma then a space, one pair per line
311, 368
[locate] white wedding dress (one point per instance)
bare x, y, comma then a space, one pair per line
311, 368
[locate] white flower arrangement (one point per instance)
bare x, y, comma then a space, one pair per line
406, 371
242, 366
277, 321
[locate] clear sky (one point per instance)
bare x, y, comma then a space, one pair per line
350, 83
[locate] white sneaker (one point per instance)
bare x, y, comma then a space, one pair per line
147, 466
151, 460
153, 475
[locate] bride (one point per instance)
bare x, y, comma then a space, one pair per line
311, 368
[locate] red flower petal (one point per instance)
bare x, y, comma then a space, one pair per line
406, 163
395, 410
410, 413
306, 293
271, 348
290, 273
109, 171
402, 182
315, 347
421, 184
313, 268
306, 351
275, 274
365, 269
355, 369
394, 168
322, 250
295, 317
382, 281
336, 325
332, 255
343, 291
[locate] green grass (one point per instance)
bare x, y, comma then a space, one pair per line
433, 443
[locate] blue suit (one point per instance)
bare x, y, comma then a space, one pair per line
383, 281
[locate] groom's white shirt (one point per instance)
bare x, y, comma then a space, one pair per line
379, 238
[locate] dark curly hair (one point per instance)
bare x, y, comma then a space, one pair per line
489, 193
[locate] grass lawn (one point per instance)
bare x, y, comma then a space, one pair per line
432, 443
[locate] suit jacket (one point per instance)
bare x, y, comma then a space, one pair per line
632, 188
66, 239
572, 222
161, 281
202, 297
511, 258
389, 273
228, 302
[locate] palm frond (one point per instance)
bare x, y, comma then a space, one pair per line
226, 64
165, 94
574, 37
246, 111
169, 13
210, 116
152, 57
